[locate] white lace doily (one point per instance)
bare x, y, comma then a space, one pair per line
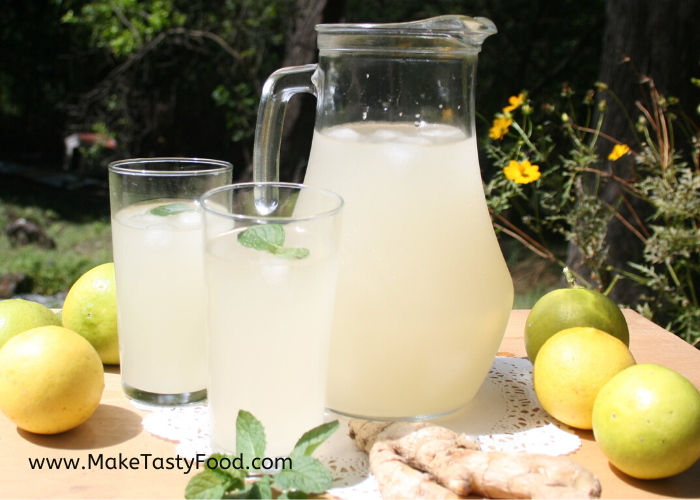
504, 416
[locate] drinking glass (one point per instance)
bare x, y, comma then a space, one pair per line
271, 266
157, 242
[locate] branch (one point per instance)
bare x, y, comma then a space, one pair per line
636, 217
624, 221
125, 21
145, 49
626, 183
523, 238
602, 134
208, 34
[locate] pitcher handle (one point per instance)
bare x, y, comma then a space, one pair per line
278, 89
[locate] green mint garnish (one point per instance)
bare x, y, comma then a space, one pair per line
250, 438
261, 489
208, 484
270, 238
314, 438
172, 209
237, 475
287, 495
303, 474
308, 475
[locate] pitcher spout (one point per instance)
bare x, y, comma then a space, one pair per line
442, 33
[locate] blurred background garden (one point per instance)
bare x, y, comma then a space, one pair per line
83, 83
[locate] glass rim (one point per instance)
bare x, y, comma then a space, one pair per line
451, 24
442, 35
126, 166
340, 202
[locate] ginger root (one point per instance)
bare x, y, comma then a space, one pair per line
422, 460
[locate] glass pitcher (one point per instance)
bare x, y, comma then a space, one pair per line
424, 294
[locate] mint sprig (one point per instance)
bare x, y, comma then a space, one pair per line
305, 474
208, 484
308, 475
270, 238
312, 439
171, 209
250, 438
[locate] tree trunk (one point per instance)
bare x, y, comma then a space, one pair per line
658, 39
300, 112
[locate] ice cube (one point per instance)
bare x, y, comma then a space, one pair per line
159, 235
145, 220
275, 274
344, 134
385, 135
415, 140
188, 220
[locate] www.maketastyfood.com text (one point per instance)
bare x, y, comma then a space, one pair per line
148, 461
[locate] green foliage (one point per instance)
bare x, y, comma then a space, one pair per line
79, 248
301, 474
240, 103
125, 26
171, 59
566, 196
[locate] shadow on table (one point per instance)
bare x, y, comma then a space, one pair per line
112, 369
108, 426
585, 435
685, 485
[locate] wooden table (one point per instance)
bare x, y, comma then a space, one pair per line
115, 429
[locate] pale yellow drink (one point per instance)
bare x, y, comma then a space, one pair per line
269, 333
422, 285
160, 291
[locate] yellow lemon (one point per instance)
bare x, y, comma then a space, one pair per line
51, 380
568, 308
18, 315
90, 309
570, 369
646, 420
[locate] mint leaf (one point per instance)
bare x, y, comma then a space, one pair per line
314, 438
292, 253
270, 238
238, 475
250, 438
261, 489
307, 474
208, 484
172, 209
267, 237
242, 493
292, 495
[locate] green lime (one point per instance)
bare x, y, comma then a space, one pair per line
646, 420
19, 315
568, 308
90, 309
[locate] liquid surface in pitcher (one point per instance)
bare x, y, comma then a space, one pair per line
423, 286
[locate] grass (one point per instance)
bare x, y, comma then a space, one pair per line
80, 246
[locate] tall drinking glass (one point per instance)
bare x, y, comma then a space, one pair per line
157, 241
271, 273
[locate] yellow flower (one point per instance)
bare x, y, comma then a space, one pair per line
500, 128
514, 102
522, 172
618, 152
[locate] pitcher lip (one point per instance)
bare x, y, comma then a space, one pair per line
467, 31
